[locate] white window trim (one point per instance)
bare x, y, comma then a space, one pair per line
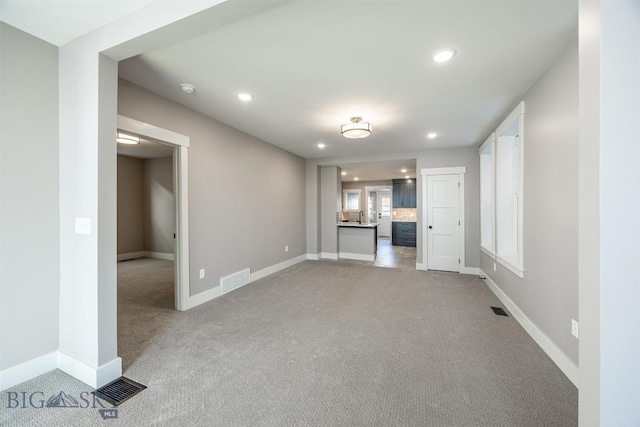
490, 143
344, 199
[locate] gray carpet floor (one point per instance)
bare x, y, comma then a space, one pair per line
320, 344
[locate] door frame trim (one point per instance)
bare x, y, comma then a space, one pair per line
424, 173
180, 144
369, 188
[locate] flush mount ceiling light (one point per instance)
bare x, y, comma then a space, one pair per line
432, 135
123, 138
443, 55
187, 88
246, 97
356, 129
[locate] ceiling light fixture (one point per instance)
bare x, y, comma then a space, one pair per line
443, 55
403, 170
407, 176
343, 173
123, 138
356, 178
321, 145
432, 135
187, 88
356, 129
246, 97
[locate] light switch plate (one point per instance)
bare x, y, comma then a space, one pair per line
83, 225
575, 328
202, 273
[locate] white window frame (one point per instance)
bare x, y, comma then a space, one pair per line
512, 261
344, 199
488, 237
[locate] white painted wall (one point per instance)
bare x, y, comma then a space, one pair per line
159, 205
29, 241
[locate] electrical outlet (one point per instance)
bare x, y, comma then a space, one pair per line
286, 248
574, 328
202, 273
494, 266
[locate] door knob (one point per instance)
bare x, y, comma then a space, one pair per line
430, 227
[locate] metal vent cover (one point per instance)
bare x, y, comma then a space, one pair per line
118, 391
499, 311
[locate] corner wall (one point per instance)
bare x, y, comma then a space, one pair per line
548, 294
29, 208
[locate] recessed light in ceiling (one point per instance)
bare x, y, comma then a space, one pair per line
343, 173
432, 135
321, 145
407, 176
409, 181
245, 97
187, 88
124, 138
403, 170
356, 178
443, 55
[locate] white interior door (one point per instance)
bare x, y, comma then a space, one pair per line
384, 213
443, 223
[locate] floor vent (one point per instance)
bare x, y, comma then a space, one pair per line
235, 280
119, 391
499, 311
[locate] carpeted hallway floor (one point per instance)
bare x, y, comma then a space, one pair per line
320, 344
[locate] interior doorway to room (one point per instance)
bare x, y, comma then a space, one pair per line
146, 222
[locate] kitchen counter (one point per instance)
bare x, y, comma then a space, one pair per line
355, 224
358, 241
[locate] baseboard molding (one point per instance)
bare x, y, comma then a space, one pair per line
565, 364
277, 267
421, 266
329, 255
28, 370
130, 255
313, 257
358, 257
160, 255
202, 297
470, 270
95, 377
145, 254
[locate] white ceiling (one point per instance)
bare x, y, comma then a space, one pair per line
378, 171
60, 21
312, 65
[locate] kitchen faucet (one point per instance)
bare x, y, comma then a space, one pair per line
360, 215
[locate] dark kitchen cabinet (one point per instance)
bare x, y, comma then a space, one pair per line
403, 233
404, 193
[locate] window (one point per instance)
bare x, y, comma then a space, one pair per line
351, 200
501, 192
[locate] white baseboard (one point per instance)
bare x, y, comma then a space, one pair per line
358, 257
95, 377
328, 255
470, 270
421, 266
159, 255
130, 255
312, 257
202, 297
565, 364
28, 370
145, 254
277, 267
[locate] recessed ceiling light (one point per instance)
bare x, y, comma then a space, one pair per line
403, 170
409, 181
321, 145
343, 173
187, 88
407, 176
124, 138
443, 55
356, 178
245, 97
432, 135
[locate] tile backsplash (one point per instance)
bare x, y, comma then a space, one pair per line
404, 214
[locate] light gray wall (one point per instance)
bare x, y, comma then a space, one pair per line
29, 233
469, 158
159, 205
330, 197
130, 205
246, 197
548, 294
350, 185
